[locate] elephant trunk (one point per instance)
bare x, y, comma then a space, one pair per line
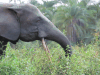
57, 36
49, 31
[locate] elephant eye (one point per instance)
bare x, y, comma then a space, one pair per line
38, 19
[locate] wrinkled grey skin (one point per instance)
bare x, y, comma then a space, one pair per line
27, 23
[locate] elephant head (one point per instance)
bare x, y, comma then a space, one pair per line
26, 22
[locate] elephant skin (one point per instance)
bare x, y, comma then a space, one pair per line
27, 23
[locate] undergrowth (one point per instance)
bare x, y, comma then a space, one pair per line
85, 60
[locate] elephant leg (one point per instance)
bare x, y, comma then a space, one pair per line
3, 47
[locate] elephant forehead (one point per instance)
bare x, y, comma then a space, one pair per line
36, 13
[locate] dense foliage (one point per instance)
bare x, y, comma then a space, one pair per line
30, 60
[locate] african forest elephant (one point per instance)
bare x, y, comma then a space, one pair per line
27, 23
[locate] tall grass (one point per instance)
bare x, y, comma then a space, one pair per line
33, 61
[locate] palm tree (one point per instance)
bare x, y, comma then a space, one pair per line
74, 18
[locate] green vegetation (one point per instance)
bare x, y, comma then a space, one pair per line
33, 61
80, 21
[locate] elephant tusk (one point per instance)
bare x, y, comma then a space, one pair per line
46, 49
45, 46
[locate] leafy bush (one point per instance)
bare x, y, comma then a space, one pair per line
34, 61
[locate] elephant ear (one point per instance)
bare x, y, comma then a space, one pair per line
9, 24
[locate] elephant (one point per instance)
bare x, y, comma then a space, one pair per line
26, 22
